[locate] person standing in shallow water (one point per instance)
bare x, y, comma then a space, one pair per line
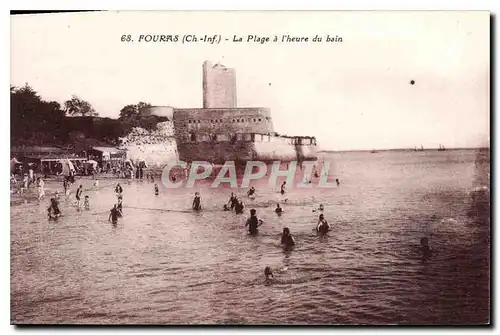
239, 207
65, 186
156, 190
78, 196
53, 210
251, 191
268, 273
278, 209
323, 227
197, 202
114, 214
253, 222
283, 186
118, 189
426, 250
287, 239
119, 206
40, 187
233, 201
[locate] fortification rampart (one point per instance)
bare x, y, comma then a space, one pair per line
191, 124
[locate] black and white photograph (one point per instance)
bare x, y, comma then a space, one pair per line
250, 168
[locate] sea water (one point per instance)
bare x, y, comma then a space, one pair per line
178, 267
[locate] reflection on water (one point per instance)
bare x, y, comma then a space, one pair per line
182, 267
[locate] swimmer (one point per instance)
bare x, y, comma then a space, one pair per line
239, 207
287, 239
119, 206
233, 201
78, 195
323, 227
251, 191
156, 190
96, 183
197, 202
283, 188
426, 250
320, 209
253, 222
66, 186
225, 208
118, 189
114, 214
53, 210
278, 209
268, 273
86, 203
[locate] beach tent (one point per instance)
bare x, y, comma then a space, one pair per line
13, 163
67, 166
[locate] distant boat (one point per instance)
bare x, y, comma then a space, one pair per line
421, 148
374, 151
441, 148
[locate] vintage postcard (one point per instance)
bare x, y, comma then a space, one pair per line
250, 168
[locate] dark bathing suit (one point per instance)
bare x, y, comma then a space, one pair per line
253, 223
233, 202
287, 240
78, 194
114, 215
323, 228
196, 204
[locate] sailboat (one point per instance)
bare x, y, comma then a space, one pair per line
441, 148
421, 148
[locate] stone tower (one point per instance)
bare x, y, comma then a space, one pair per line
219, 86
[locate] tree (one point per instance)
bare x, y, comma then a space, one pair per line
132, 111
34, 120
77, 106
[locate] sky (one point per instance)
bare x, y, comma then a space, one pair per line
352, 95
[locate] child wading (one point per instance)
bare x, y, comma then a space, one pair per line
53, 210
86, 203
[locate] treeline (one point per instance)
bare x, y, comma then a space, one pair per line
36, 122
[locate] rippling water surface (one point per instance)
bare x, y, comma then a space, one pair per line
173, 267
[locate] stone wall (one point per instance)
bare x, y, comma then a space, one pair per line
155, 147
216, 153
228, 121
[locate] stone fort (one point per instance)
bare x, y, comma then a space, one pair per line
219, 131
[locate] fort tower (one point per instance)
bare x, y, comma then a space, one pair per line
219, 86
